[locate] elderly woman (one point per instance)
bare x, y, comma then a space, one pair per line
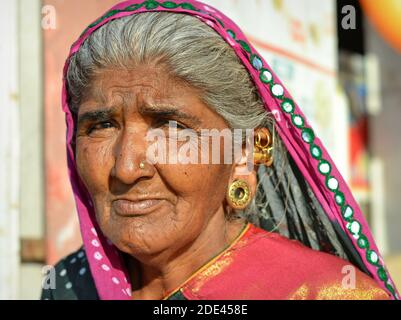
279, 222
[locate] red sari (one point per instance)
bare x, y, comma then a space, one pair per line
261, 265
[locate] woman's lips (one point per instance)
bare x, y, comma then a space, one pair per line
128, 208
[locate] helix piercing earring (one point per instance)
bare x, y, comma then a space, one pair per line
263, 147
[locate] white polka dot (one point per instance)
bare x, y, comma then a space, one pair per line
81, 254
105, 267
63, 272
267, 76
278, 90
94, 231
123, 290
82, 271
324, 167
332, 183
68, 285
348, 212
115, 280
98, 256
355, 227
125, 279
73, 260
374, 256
128, 291
95, 243
298, 120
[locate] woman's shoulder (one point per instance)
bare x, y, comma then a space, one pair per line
267, 265
70, 279
282, 250
312, 273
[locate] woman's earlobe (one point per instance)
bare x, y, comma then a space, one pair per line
239, 194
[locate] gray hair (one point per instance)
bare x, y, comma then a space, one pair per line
191, 49
197, 54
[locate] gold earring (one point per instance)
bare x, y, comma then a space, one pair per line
263, 147
142, 165
239, 194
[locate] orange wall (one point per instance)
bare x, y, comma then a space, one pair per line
72, 17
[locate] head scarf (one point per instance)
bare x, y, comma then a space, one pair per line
318, 210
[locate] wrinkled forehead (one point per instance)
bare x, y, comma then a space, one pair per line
145, 78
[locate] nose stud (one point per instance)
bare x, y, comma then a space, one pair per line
142, 165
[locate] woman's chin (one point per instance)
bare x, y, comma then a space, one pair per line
143, 249
138, 237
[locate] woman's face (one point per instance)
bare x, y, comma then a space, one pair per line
144, 211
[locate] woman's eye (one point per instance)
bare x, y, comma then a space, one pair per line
100, 126
170, 124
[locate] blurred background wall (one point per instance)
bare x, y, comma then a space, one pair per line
347, 81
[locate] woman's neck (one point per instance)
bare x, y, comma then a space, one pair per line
156, 280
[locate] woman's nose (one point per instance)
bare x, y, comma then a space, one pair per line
130, 159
